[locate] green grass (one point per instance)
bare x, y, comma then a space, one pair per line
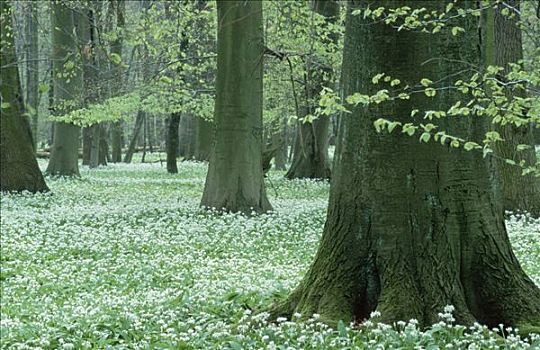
126, 259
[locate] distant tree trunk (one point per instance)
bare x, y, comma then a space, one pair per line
519, 192
235, 181
19, 169
116, 48
187, 136
103, 152
117, 132
145, 137
310, 157
94, 138
204, 139
279, 138
32, 66
133, 142
65, 149
172, 142
412, 227
86, 144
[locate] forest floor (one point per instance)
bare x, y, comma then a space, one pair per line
124, 258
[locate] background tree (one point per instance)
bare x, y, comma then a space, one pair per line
412, 227
67, 80
19, 170
310, 157
505, 47
235, 180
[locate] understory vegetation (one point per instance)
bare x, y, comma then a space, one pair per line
125, 258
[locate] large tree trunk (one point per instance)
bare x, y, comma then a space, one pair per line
204, 139
412, 227
519, 192
67, 89
19, 169
32, 72
235, 179
310, 157
133, 142
172, 142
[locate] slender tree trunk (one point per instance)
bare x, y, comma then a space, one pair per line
117, 135
133, 142
412, 227
67, 89
172, 142
145, 137
310, 157
204, 139
116, 48
235, 179
519, 192
86, 144
103, 153
32, 76
94, 137
19, 169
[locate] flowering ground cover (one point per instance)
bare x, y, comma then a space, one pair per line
125, 259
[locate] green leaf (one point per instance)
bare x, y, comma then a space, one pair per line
468, 146
5, 105
426, 82
430, 92
43, 88
115, 58
425, 137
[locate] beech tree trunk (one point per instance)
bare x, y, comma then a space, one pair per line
19, 169
187, 143
116, 48
310, 157
411, 226
235, 179
519, 192
67, 89
32, 68
172, 142
136, 132
204, 139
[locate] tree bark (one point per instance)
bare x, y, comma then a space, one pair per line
172, 142
19, 169
187, 143
67, 89
519, 192
133, 142
235, 179
116, 48
310, 157
204, 139
32, 72
412, 227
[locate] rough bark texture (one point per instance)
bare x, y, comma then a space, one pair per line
412, 227
519, 192
235, 179
172, 142
310, 157
67, 89
204, 139
19, 169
